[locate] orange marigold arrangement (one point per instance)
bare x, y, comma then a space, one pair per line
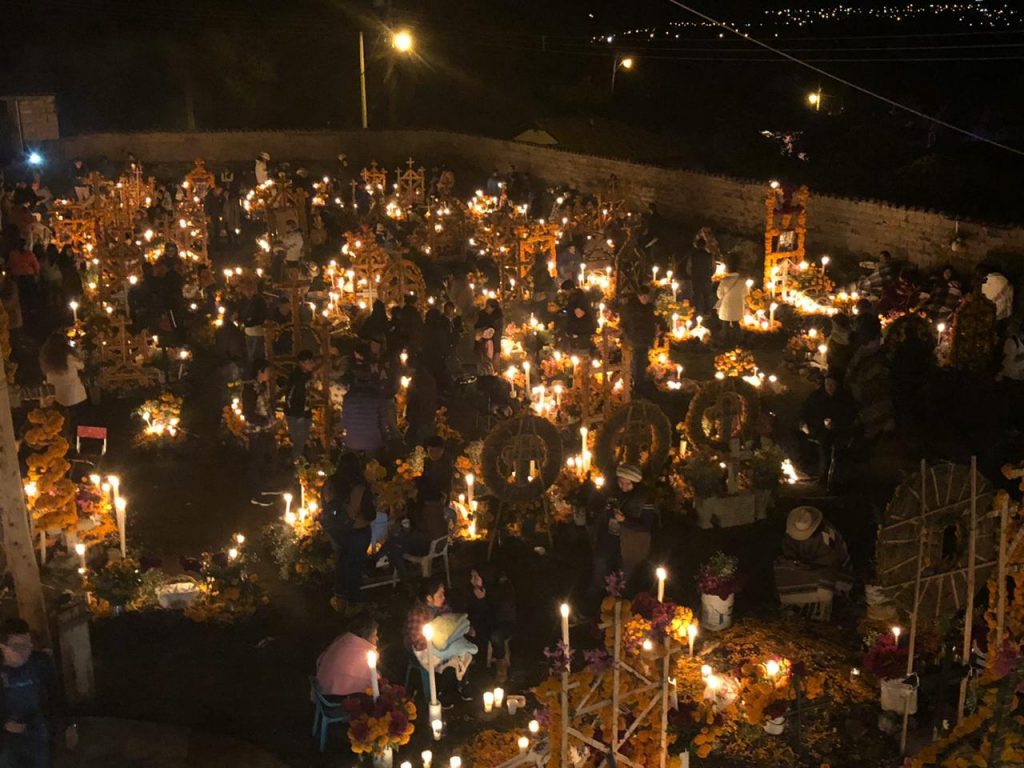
492, 747
385, 723
736, 362
51, 494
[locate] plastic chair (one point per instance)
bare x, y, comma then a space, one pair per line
414, 666
438, 549
325, 712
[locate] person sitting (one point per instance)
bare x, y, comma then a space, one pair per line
341, 670
944, 296
828, 416
492, 613
841, 343
881, 276
814, 563
899, 295
450, 648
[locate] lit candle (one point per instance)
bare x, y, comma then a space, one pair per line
436, 726
705, 671
470, 479
426, 755
80, 551
564, 610
896, 634
121, 513
691, 634
524, 744
405, 764
499, 697
74, 310
428, 634
654, 272
771, 668
371, 661
675, 289
488, 701
584, 453
510, 374
662, 574
771, 314
534, 727
115, 485
455, 761
526, 370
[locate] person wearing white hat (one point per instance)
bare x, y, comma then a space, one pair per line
814, 563
622, 533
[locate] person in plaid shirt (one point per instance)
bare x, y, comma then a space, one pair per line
431, 603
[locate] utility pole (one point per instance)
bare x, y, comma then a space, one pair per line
21, 557
362, 78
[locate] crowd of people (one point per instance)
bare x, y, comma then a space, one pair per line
444, 351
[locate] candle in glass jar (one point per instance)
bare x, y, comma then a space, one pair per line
488, 701
499, 697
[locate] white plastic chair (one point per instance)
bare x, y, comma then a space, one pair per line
438, 549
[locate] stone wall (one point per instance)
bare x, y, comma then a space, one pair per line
838, 226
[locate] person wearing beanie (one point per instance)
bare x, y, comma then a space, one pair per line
622, 535
814, 563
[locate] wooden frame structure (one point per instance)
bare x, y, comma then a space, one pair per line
785, 235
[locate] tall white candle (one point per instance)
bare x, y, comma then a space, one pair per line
121, 514
691, 634
584, 453
470, 480
526, 370
662, 574
80, 551
564, 610
74, 310
287, 504
371, 661
427, 757
428, 635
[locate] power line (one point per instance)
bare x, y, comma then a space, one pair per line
848, 83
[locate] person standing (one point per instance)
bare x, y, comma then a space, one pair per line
702, 268
297, 410
258, 409
61, 366
492, 613
347, 518
253, 317
732, 295
30, 703
24, 267
640, 327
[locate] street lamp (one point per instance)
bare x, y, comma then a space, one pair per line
620, 62
401, 41
814, 99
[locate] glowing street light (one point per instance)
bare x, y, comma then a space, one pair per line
402, 41
620, 62
814, 99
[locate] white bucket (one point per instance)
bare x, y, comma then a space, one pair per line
896, 695
716, 614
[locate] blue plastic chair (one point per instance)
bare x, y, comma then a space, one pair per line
325, 712
414, 666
